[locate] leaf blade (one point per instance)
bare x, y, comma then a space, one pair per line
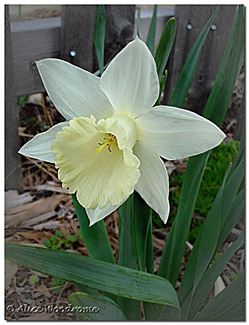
99, 35
96, 274
234, 54
150, 40
127, 254
97, 308
164, 46
94, 235
226, 302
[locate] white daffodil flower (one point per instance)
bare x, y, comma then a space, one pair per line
113, 140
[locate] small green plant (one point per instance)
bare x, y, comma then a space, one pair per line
33, 279
20, 100
59, 241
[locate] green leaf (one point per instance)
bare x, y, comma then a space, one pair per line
219, 97
99, 35
206, 242
128, 254
228, 305
33, 279
91, 307
150, 41
233, 217
53, 239
162, 85
95, 274
59, 233
47, 243
143, 230
170, 314
181, 89
138, 21
95, 237
210, 276
143, 219
164, 46
72, 238
175, 244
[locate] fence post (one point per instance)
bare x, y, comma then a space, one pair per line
13, 170
77, 24
77, 27
190, 21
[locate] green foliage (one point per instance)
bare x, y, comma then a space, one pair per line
33, 279
20, 100
61, 242
150, 41
103, 308
219, 97
94, 274
215, 170
99, 35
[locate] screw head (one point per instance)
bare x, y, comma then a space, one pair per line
213, 27
189, 27
72, 53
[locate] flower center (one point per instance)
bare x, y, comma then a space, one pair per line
107, 143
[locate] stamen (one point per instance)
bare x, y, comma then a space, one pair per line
109, 141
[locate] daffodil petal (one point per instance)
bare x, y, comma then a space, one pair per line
153, 184
131, 81
74, 91
99, 214
40, 146
97, 176
176, 133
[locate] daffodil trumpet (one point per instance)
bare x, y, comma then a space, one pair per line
113, 139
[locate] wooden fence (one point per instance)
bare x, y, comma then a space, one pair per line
70, 37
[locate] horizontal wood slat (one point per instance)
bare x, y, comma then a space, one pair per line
33, 40
38, 39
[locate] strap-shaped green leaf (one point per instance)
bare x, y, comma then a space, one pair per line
138, 20
99, 35
151, 36
95, 237
95, 274
89, 307
142, 221
206, 242
164, 46
211, 275
228, 305
144, 243
128, 254
181, 89
162, 85
216, 108
233, 217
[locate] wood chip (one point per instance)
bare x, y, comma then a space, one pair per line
15, 216
39, 219
10, 272
219, 286
13, 199
48, 225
